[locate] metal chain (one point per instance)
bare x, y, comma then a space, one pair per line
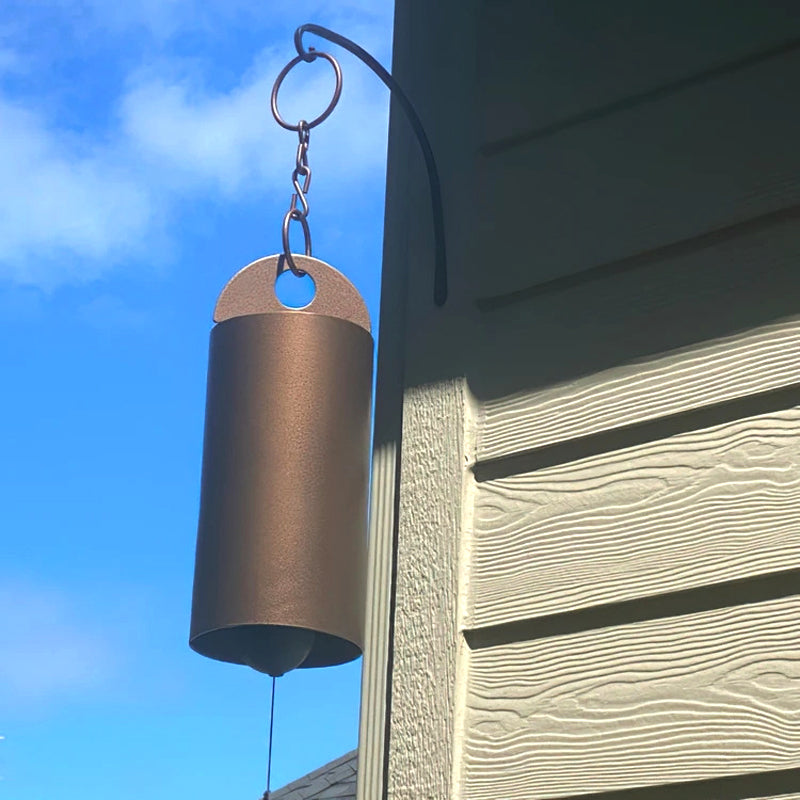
310, 54
302, 171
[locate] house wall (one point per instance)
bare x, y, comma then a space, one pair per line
595, 538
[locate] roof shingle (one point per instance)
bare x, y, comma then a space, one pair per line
334, 781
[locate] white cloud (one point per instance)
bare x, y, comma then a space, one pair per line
63, 198
231, 140
47, 650
198, 135
77, 206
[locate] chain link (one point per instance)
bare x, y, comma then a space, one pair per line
301, 172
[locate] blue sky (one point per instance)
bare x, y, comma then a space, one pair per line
140, 169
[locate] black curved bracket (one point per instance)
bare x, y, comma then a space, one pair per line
440, 270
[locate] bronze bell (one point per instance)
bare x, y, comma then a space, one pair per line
281, 544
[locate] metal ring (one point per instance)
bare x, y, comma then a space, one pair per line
291, 214
285, 71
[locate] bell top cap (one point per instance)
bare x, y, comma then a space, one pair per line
252, 291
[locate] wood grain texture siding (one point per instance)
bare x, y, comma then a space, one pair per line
713, 372
582, 56
795, 796
690, 510
680, 699
707, 157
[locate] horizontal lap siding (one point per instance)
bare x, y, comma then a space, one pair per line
708, 157
666, 701
654, 340
677, 216
686, 204
778, 797
582, 56
694, 509
713, 372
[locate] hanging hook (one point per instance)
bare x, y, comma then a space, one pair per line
440, 274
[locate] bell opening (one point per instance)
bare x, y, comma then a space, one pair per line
274, 649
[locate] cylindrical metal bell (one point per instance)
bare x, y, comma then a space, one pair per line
280, 564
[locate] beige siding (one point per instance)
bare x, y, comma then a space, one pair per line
425, 647
678, 315
596, 525
778, 797
657, 702
426, 641
545, 65
708, 157
756, 361
699, 508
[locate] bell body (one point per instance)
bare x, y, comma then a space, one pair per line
281, 547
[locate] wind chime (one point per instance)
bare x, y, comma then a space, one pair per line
281, 545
